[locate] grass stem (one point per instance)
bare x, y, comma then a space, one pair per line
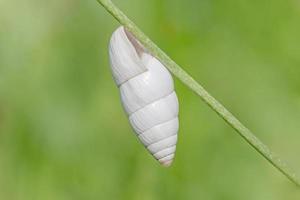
186, 79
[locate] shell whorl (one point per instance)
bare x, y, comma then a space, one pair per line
147, 95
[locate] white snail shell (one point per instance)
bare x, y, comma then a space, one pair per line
147, 95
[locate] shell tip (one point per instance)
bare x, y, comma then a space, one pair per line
167, 163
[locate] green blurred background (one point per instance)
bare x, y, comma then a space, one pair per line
64, 135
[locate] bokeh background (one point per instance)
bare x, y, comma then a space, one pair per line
64, 135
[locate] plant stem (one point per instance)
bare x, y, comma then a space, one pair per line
199, 90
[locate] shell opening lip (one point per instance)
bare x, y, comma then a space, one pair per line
139, 48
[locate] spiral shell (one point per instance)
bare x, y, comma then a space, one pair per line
147, 95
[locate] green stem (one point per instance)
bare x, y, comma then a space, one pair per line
199, 90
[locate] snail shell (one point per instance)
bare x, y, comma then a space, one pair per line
147, 95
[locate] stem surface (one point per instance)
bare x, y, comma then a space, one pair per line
185, 78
